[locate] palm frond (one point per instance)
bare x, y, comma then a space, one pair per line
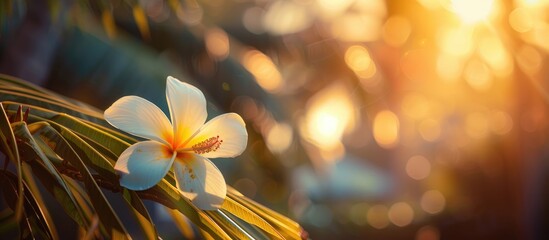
67, 148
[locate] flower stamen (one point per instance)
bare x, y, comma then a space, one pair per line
208, 145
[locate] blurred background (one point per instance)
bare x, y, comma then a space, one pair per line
368, 119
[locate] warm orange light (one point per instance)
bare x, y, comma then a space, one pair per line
429, 129
385, 129
431, 4
418, 167
279, 137
329, 8
529, 59
456, 41
532, 3
476, 125
264, 70
449, 67
501, 123
472, 11
401, 214
286, 17
377, 216
327, 126
359, 60
540, 35
217, 43
433, 202
396, 30
493, 52
329, 115
415, 106
356, 27
521, 20
478, 75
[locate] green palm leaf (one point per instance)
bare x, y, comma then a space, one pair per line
9, 147
69, 149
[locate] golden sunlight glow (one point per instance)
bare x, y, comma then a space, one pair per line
330, 114
401, 214
429, 129
433, 202
352, 20
330, 8
332, 153
326, 127
472, 11
449, 67
493, 52
500, 122
532, 3
264, 70
415, 105
217, 43
367, 74
540, 35
478, 75
377, 216
279, 137
529, 59
345, 27
358, 59
521, 20
456, 41
386, 126
286, 17
476, 125
396, 30
430, 4
418, 167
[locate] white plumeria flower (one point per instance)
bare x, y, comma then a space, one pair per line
186, 143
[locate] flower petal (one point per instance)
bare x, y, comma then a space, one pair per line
144, 164
139, 117
231, 130
187, 109
199, 180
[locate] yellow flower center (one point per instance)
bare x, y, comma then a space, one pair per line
205, 146
208, 145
